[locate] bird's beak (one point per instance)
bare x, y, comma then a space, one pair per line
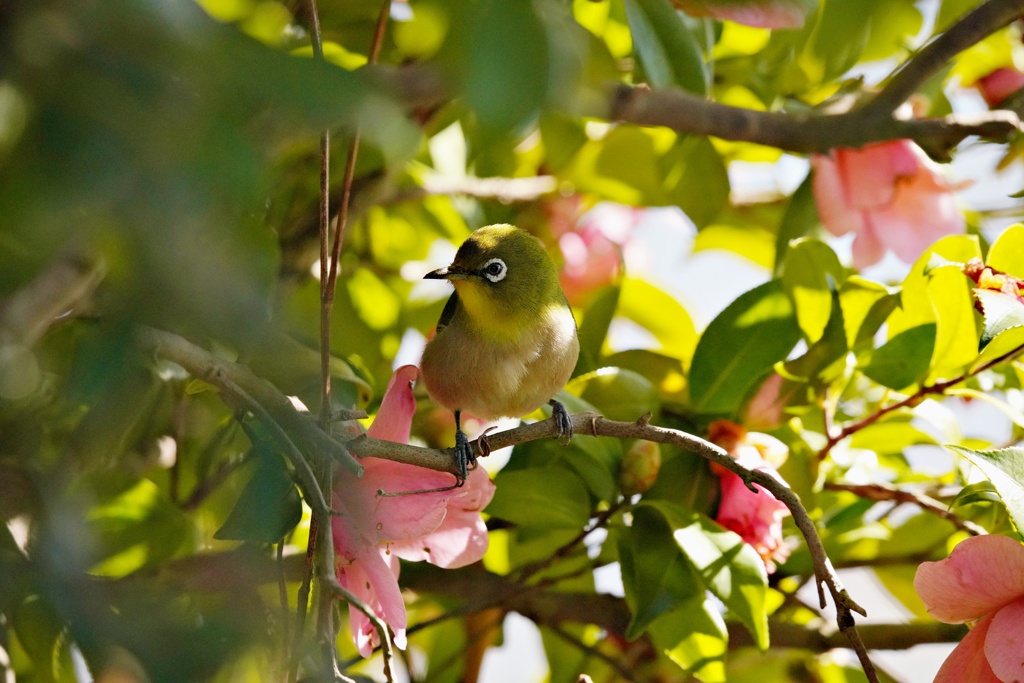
452, 272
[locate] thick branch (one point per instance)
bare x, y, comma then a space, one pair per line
803, 132
223, 374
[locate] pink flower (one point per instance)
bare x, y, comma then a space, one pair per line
756, 517
441, 527
761, 13
982, 581
999, 84
889, 194
592, 250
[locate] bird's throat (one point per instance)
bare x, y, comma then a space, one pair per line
487, 316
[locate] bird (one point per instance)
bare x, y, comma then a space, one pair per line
506, 341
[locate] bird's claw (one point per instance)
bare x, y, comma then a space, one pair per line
563, 420
465, 458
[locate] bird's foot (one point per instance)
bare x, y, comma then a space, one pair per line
465, 458
563, 420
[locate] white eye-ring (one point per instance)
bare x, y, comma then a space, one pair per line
495, 270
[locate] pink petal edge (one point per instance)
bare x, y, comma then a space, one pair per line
982, 574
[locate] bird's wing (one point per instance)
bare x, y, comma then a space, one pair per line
449, 311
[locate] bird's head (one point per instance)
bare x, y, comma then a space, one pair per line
503, 275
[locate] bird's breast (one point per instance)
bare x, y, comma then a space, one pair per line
467, 369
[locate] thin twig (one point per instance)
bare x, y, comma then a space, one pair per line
926, 503
911, 401
322, 513
972, 28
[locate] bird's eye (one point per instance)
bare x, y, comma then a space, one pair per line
495, 269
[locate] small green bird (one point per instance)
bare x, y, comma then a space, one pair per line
506, 340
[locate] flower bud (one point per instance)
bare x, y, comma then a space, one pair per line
640, 467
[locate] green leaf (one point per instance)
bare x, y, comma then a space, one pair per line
546, 497
753, 244
667, 374
667, 51
268, 508
594, 328
695, 178
1007, 252
866, 305
810, 272
754, 332
822, 363
904, 359
799, 219
695, 637
1005, 469
841, 35
661, 315
891, 436
941, 296
1002, 312
505, 87
982, 492
655, 577
893, 24
728, 567
616, 393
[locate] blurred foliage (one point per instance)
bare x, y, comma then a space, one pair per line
165, 154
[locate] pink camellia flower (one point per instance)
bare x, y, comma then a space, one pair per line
982, 582
756, 517
999, 84
760, 13
889, 194
592, 248
373, 531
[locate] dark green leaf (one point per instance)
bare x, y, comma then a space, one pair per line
505, 87
654, 575
728, 567
695, 637
667, 50
618, 394
904, 359
594, 328
739, 346
548, 497
268, 508
695, 178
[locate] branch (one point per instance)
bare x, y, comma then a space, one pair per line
801, 132
970, 29
914, 399
223, 374
921, 500
63, 284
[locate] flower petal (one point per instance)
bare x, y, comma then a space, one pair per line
760, 13
967, 660
374, 580
1004, 644
461, 538
394, 419
837, 214
982, 574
